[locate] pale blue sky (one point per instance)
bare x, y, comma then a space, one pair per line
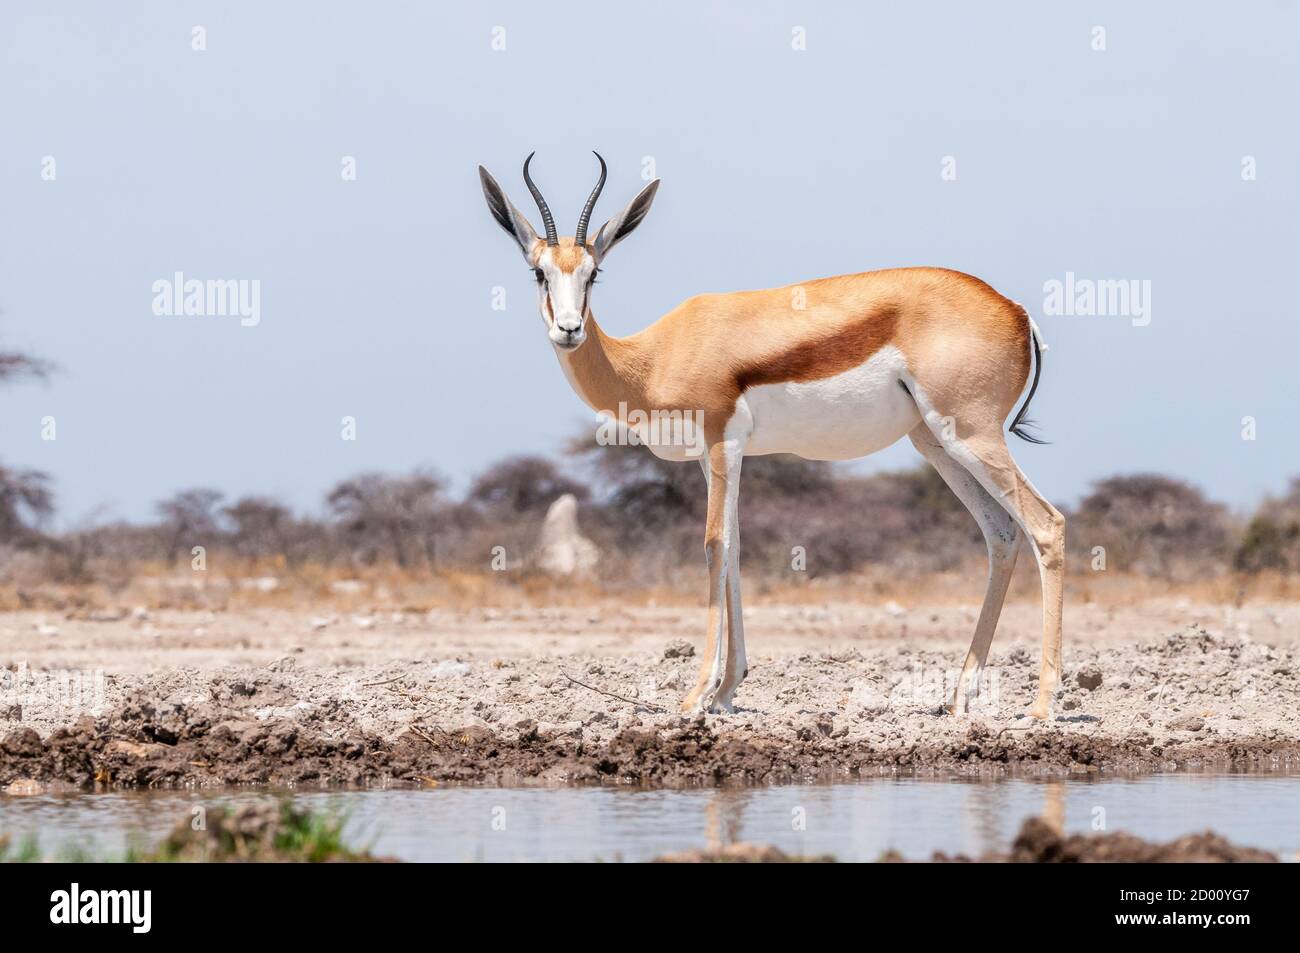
778, 165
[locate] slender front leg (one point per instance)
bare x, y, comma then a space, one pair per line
737, 664
722, 662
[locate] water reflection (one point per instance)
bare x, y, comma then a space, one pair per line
857, 821
1054, 804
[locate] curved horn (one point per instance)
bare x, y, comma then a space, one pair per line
551, 237
580, 236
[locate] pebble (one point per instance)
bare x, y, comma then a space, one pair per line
449, 669
1089, 677
679, 648
1186, 723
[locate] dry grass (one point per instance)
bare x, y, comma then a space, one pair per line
266, 584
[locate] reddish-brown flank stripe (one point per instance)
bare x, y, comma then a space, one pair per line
832, 354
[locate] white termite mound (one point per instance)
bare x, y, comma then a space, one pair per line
562, 550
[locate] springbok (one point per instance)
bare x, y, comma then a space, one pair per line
831, 369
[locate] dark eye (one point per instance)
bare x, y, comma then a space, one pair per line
539, 275
593, 276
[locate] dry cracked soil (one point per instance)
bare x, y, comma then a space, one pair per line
590, 695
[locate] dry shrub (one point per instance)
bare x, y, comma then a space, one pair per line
1154, 526
1272, 538
810, 531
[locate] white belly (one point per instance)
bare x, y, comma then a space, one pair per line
838, 418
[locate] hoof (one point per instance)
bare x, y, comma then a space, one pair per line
706, 702
963, 707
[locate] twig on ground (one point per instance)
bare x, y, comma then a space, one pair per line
1014, 728
650, 706
387, 681
424, 735
852, 655
411, 695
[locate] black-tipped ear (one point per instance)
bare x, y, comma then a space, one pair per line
626, 221
507, 216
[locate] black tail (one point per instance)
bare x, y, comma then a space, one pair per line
1036, 354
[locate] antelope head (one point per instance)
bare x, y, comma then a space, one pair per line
565, 268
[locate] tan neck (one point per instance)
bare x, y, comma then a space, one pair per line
606, 371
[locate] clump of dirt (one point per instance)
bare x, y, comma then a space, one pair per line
1040, 843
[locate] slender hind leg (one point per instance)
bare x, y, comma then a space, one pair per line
979, 446
1002, 539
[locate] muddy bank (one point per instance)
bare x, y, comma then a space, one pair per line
501, 714
137, 749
